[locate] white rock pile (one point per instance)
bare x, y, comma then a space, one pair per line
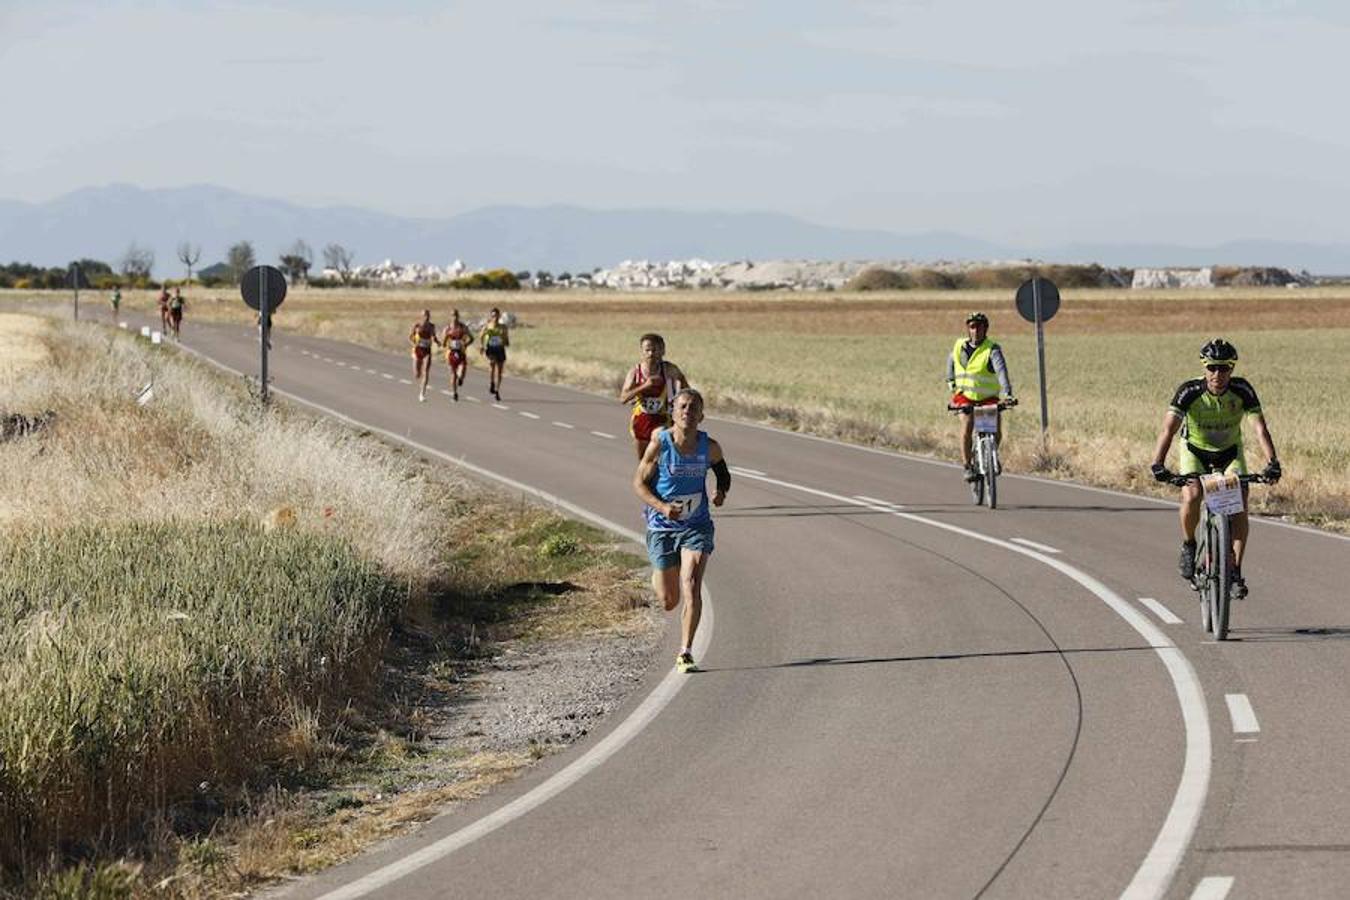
1173, 278
390, 272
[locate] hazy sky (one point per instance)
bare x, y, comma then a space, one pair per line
1029, 122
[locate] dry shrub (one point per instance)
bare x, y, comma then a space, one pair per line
879, 279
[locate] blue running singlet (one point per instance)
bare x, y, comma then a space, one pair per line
681, 479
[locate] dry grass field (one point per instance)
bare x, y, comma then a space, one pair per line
869, 367
196, 604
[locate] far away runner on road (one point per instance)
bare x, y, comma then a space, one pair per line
671, 480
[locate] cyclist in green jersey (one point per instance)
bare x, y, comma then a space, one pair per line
1208, 412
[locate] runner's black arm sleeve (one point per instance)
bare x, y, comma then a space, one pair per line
723, 475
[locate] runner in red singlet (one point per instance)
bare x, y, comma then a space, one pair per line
649, 387
456, 341
422, 336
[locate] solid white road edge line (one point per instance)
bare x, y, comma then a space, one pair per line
1241, 712
1033, 545
1161, 611
1155, 873
864, 498
583, 765
1213, 887
746, 471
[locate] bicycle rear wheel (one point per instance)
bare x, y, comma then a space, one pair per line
1222, 577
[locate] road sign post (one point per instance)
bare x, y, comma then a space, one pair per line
75, 284
263, 289
1038, 301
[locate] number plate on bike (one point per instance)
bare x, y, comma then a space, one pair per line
1223, 494
986, 419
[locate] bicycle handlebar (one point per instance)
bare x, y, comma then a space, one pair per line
1002, 405
1183, 480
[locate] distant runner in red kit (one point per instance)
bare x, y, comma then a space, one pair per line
650, 386
422, 336
456, 340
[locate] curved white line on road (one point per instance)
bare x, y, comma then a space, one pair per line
560, 781
1155, 874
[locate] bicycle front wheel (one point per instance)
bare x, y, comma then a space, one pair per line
991, 474
1203, 575
1222, 554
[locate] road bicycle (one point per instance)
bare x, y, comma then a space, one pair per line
984, 452
1213, 578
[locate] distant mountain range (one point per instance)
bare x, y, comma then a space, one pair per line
101, 222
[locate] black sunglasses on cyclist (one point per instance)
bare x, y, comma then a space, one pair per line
1218, 368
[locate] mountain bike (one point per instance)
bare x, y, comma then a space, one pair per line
984, 453
1213, 579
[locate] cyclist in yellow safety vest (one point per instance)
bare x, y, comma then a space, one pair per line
976, 374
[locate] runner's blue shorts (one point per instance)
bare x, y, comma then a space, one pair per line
663, 547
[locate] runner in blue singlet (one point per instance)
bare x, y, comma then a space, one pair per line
671, 479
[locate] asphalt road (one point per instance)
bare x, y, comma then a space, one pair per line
903, 695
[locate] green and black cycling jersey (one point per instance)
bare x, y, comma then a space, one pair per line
1213, 422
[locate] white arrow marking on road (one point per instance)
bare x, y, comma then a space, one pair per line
1241, 712
1161, 611
1215, 887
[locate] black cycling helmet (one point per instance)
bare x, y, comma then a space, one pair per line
1219, 352
977, 317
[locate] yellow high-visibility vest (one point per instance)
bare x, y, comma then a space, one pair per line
975, 379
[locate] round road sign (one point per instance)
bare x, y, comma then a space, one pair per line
1026, 299
252, 283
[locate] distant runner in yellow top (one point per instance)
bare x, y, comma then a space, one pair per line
494, 340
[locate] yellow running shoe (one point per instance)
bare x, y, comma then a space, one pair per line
685, 663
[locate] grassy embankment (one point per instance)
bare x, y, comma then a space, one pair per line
195, 612
868, 367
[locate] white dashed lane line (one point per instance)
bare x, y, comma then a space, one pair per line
1215, 887
500, 406
876, 502
371, 372
473, 399
386, 375
404, 381
1241, 712
1161, 611
529, 415
564, 425
601, 434
1033, 545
